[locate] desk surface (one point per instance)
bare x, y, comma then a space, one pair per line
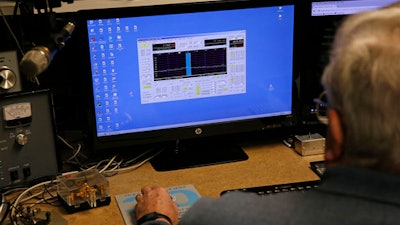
268, 164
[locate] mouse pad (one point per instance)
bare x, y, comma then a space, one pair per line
184, 196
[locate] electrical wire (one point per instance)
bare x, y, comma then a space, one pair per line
21, 198
135, 166
11, 31
76, 151
110, 167
42, 192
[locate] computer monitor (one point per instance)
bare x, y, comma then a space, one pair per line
320, 20
187, 74
337, 8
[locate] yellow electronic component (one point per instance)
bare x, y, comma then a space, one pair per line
83, 190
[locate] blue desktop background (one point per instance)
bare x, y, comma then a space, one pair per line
269, 70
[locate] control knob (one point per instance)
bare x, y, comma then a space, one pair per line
7, 78
21, 139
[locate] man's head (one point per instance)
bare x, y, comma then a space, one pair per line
362, 82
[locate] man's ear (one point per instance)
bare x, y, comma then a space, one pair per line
335, 137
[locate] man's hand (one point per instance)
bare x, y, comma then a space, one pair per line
156, 199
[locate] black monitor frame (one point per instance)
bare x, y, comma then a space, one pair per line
317, 25
196, 145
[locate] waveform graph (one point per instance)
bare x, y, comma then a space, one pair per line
176, 65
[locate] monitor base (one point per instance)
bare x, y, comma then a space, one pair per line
190, 155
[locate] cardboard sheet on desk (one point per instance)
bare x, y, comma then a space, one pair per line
184, 196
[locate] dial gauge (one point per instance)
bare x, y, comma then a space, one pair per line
17, 111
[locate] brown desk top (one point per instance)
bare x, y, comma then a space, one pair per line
268, 164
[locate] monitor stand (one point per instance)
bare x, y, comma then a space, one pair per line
195, 154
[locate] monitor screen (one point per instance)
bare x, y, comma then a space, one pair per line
320, 19
180, 72
335, 8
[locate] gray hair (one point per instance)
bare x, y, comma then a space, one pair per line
362, 81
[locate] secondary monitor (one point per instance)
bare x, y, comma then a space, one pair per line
320, 20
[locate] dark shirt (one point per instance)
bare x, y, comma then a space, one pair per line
347, 195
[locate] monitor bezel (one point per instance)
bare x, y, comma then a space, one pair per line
183, 133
